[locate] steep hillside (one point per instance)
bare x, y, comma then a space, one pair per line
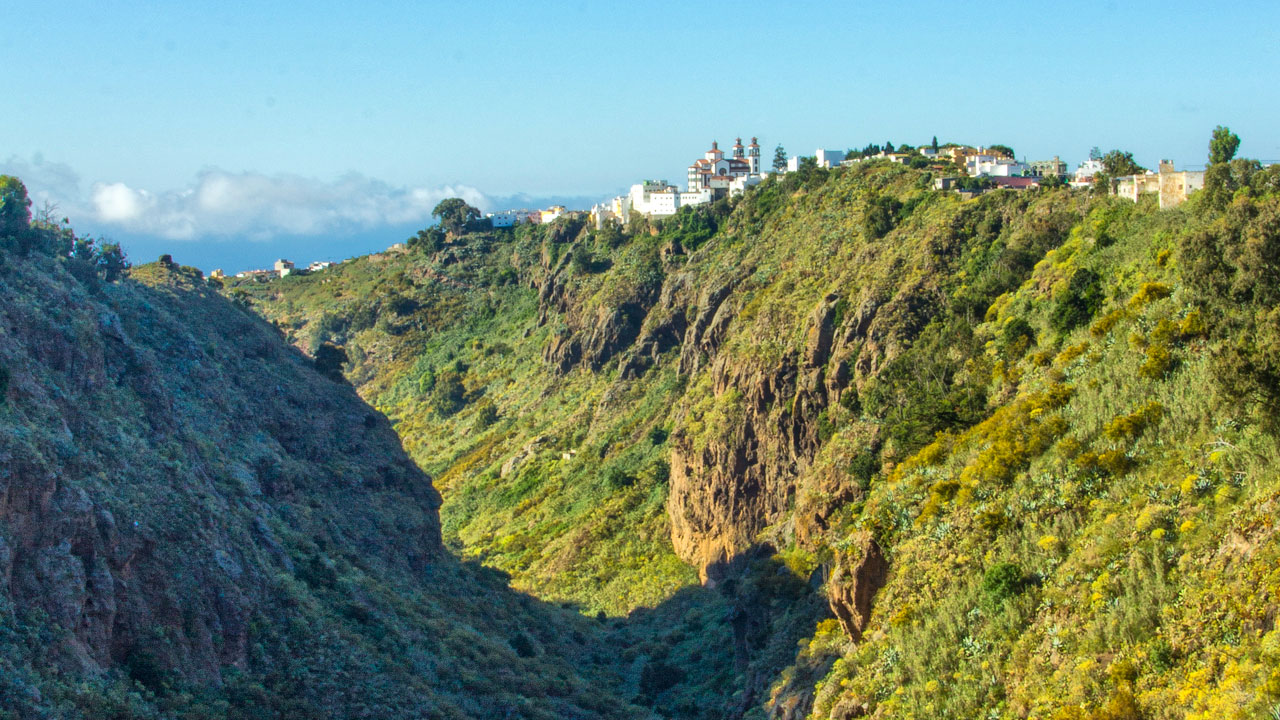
194, 523
1018, 446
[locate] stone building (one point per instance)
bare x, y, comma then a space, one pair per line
1172, 186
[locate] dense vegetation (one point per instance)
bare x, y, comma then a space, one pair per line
845, 446
1051, 413
195, 523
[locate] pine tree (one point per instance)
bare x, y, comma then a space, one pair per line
779, 160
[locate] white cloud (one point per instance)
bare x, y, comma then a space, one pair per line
246, 205
118, 203
220, 203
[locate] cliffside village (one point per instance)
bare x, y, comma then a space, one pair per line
714, 176
281, 269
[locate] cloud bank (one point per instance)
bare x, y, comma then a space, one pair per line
259, 206
221, 204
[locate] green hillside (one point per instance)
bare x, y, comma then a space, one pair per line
1019, 446
843, 447
195, 523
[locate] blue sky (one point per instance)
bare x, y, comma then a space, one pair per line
215, 129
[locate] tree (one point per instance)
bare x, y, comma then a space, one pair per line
454, 214
15, 207
888, 146
934, 145
1095, 153
779, 160
1001, 149
15, 216
329, 361
1223, 145
430, 239
1118, 163
1222, 180
1053, 181
111, 261
55, 236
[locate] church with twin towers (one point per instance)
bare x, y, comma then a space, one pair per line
714, 171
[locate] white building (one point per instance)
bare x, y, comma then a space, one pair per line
283, 267
823, 158
991, 165
1086, 171
319, 265
710, 177
601, 212
658, 199
507, 218
828, 158
740, 185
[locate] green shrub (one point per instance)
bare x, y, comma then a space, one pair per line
1148, 293
448, 394
1003, 581
486, 415
1078, 303
1017, 336
1157, 363
826, 428
658, 676
615, 478
4, 383
1130, 427
523, 646
881, 216
145, 669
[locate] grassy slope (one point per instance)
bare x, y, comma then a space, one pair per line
538, 521
1132, 505
1137, 508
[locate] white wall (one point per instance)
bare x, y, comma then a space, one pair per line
828, 158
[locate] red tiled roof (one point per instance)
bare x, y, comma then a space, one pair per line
1016, 182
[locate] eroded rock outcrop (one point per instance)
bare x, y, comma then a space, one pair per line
732, 478
853, 585
734, 466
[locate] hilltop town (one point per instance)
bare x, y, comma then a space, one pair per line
965, 169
